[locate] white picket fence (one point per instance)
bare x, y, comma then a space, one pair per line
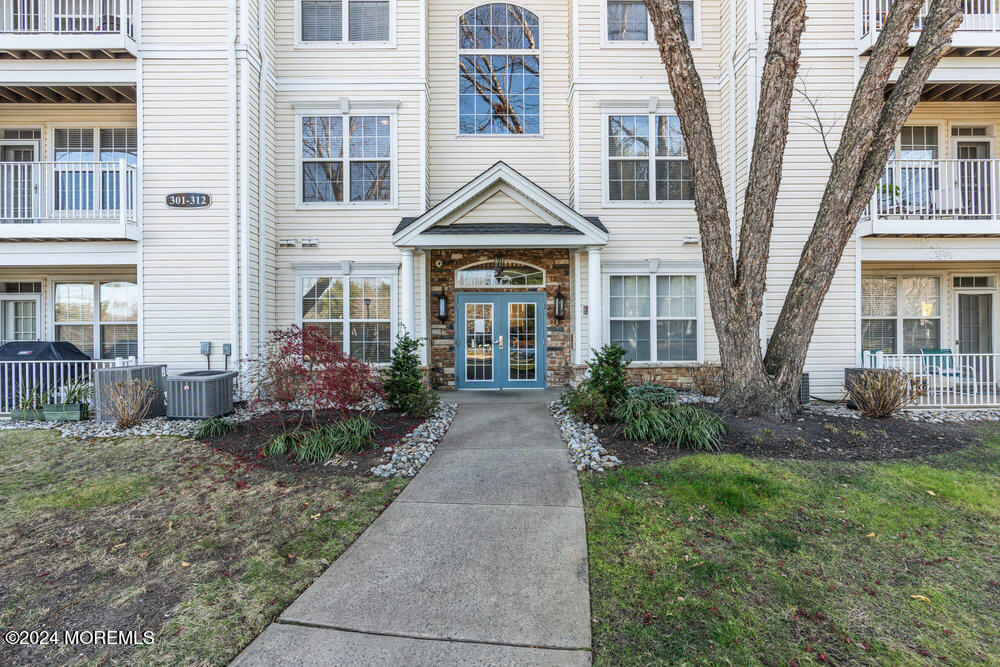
951, 379
52, 377
25, 17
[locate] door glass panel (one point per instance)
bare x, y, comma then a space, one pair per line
20, 321
479, 341
522, 324
975, 323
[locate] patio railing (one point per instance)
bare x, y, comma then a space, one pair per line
67, 191
51, 376
978, 16
35, 17
951, 379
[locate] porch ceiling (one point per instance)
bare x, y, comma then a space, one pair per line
65, 53
76, 94
960, 92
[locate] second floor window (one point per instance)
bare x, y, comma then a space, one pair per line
499, 71
345, 21
647, 159
346, 158
628, 21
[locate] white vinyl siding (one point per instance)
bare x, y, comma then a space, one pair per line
900, 313
367, 21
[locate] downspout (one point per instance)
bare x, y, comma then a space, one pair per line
234, 315
263, 118
244, 178
139, 274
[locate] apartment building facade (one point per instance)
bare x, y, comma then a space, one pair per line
506, 180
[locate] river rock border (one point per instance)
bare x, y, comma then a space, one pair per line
411, 453
585, 450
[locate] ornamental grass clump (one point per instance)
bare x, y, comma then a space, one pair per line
350, 436
128, 402
879, 394
693, 427
213, 428
642, 421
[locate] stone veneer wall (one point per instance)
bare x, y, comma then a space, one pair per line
559, 337
678, 377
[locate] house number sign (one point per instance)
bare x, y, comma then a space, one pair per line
189, 200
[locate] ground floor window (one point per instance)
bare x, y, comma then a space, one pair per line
655, 318
900, 313
99, 317
355, 310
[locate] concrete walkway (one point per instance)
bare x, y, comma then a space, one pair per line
481, 559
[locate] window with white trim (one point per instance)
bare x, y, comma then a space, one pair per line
366, 20
109, 308
346, 155
628, 21
499, 71
655, 318
900, 313
75, 181
647, 159
353, 310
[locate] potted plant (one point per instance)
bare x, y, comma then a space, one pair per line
75, 408
30, 399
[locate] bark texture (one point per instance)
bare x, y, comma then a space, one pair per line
754, 384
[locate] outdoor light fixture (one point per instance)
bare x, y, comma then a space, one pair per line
560, 304
442, 306
499, 266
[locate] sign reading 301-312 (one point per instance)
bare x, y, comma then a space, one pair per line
189, 200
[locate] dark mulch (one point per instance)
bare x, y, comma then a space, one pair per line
247, 442
809, 437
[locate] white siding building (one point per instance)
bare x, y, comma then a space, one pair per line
372, 166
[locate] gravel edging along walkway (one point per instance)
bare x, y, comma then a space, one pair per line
586, 451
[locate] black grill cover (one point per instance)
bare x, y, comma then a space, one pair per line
41, 351
64, 375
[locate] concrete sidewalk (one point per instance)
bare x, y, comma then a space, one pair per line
482, 559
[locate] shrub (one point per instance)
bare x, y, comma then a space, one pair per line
79, 390
32, 397
349, 436
421, 404
608, 375
128, 402
586, 403
693, 427
282, 443
655, 393
882, 393
707, 378
213, 427
403, 379
642, 421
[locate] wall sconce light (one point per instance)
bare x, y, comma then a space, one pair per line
442, 307
560, 304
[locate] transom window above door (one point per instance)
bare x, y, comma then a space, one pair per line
346, 156
647, 159
483, 274
628, 21
499, 71
346, 22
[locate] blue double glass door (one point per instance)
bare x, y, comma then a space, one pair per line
500, 340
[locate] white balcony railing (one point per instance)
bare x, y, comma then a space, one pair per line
979, 16
951, 379
52, 377
915, 196
65, 17
56, 192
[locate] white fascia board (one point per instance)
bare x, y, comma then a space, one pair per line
498, 241
982, 249
68, 42
113, 231
68, 72
83, 253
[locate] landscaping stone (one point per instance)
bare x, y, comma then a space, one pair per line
586, 451
930, 415
410, 454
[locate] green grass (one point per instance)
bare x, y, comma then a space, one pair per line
727, 560
161, 534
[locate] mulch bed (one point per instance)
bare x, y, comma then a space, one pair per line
809, 437
247, 442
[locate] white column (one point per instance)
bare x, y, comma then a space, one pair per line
595, 301
406, 292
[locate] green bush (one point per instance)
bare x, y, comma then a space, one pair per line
642, 421
586, 403
657, 394
420, 404
608, 376
403, 379
693, 427
212, 428
283, 443
350, 436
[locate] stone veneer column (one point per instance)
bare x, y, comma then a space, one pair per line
406, 293
595, 319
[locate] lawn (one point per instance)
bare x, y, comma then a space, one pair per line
163, 535
725, 559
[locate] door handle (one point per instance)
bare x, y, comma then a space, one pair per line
499, 342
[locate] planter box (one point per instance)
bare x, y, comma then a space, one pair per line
27, 415
67, 412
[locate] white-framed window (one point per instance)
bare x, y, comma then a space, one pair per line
355, 310
79, 183
516, 274
99, 317
346, 159
499, 71
627, 22
656, 317
646, 159
900, 313
332, 23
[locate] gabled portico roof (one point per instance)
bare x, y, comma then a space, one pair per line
548, 221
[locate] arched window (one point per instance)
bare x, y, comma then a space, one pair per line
498, 71
483, 274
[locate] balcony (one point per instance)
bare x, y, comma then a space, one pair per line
42, 29
979, 34
68, 200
